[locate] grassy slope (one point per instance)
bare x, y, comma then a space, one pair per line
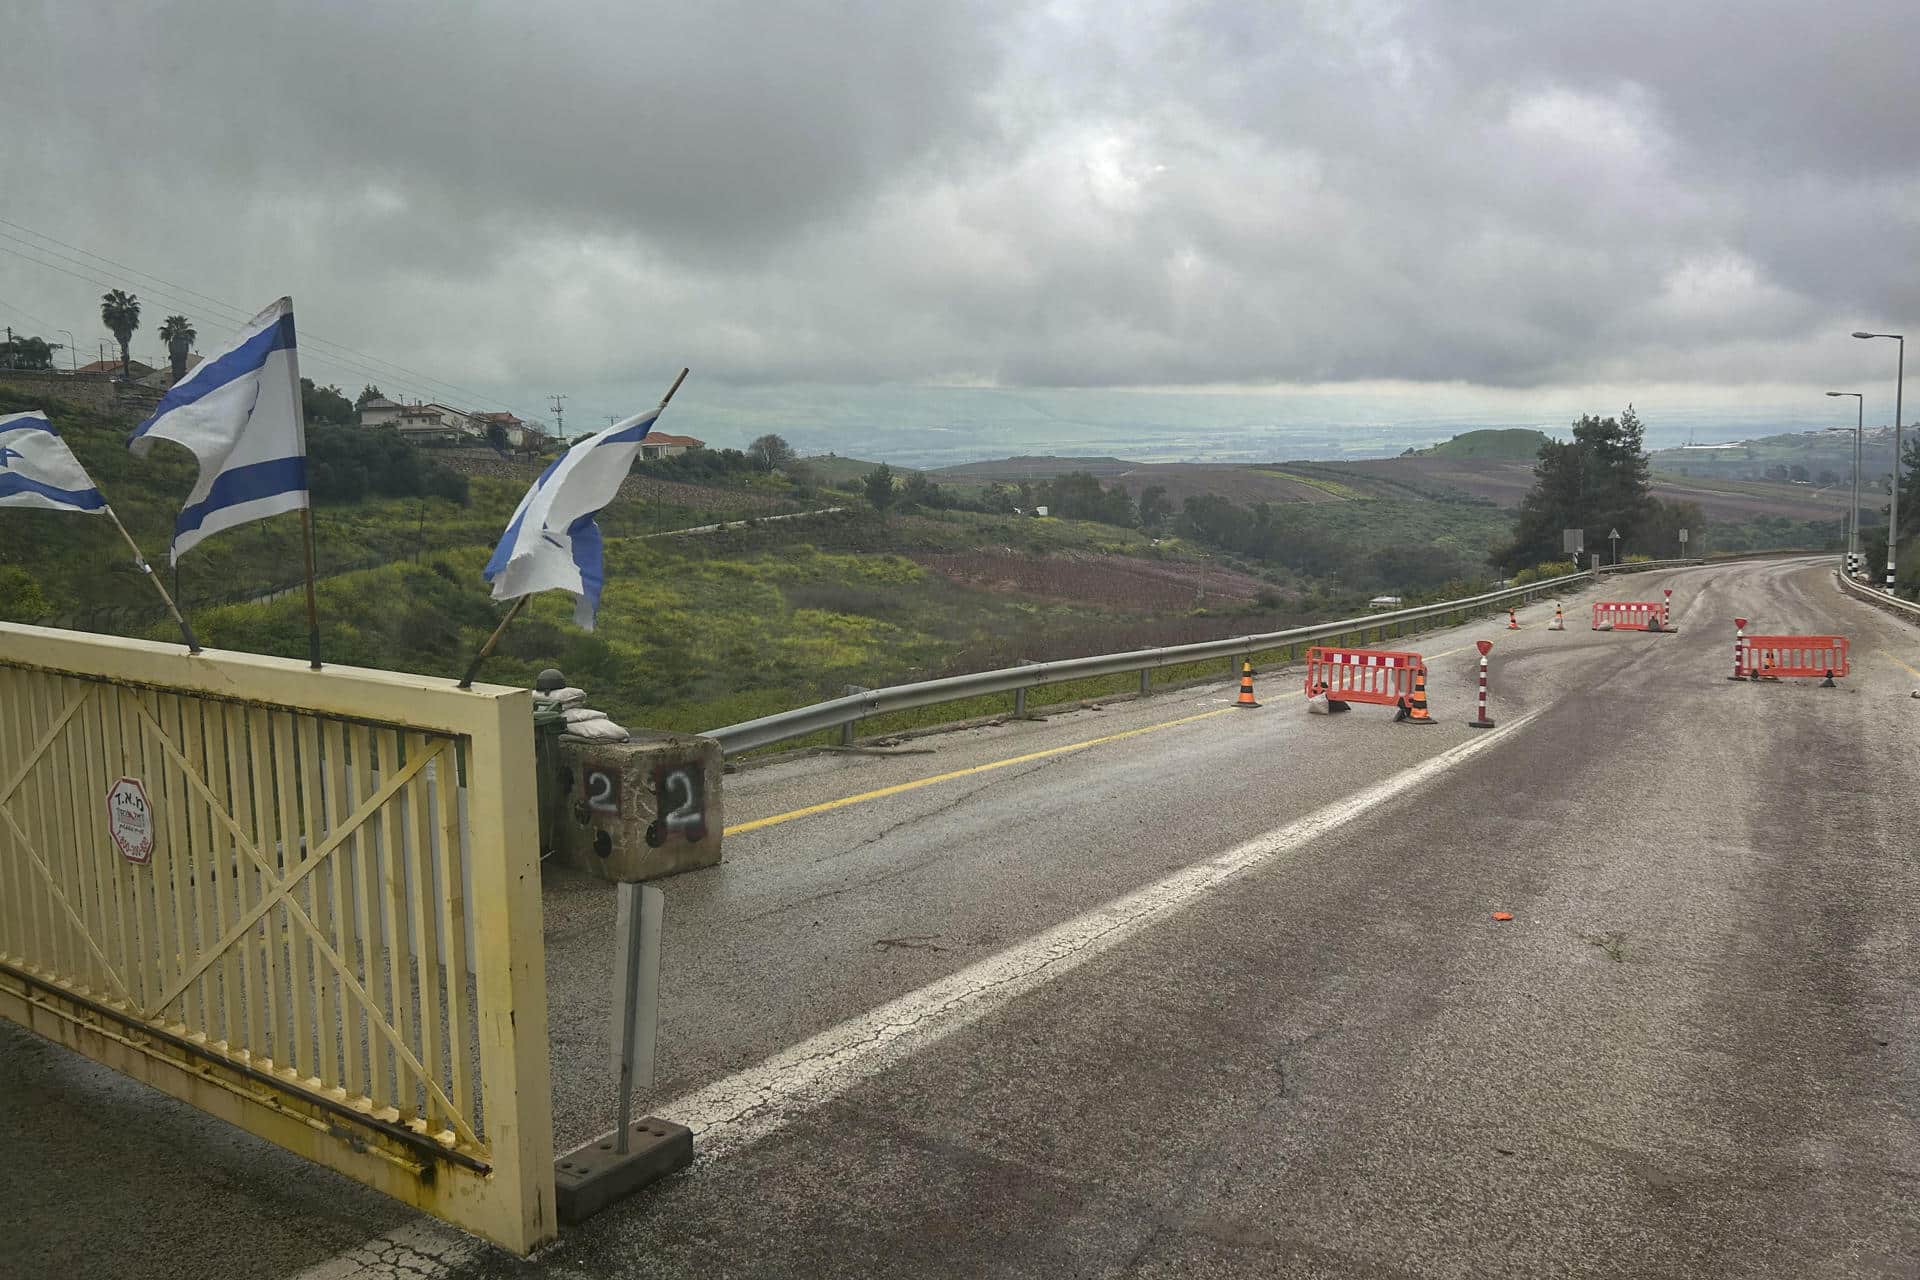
1506, 444
78, 563
837, 472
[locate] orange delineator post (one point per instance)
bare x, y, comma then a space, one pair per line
1630, 615
1794, 657
1362, 675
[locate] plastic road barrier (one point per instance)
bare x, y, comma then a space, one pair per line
1629, 615
1361, 675
1794, 657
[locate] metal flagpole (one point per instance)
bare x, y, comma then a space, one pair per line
140, 562
313, 610
473, 668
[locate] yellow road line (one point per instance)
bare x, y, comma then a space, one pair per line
899, 787
1903, 666
917, 783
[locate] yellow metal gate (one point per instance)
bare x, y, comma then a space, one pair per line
307, 902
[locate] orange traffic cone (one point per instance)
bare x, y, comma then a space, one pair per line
1414, 710
1559, 622
1513, 623
1246, 685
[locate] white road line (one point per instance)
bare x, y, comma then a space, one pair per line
733, 1113
743, 1108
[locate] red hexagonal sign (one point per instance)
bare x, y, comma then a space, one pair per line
130, 820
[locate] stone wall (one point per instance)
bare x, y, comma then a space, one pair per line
89, 390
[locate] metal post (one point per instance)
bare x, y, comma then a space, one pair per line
846, 733
1859, 429
1019, 704
1893, 503
1146, 681
636, 1018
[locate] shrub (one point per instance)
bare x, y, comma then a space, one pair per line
1551, 569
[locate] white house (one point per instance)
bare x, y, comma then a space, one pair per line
380, 412
435, 422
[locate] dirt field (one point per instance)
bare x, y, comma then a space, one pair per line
1120, 583
1245, 485
636, 488
1506, 483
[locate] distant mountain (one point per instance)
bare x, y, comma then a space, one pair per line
1817, 458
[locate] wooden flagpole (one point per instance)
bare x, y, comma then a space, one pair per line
140, 562
486, 650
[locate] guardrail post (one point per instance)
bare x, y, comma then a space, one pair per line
846, 733
1146, 681
1019, 704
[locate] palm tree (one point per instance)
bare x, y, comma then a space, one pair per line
177, 332
120, 312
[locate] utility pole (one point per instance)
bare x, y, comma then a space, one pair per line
559, 420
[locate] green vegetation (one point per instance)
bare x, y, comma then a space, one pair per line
1510, 444
1330, 487
1597, 482
1368, 543
836, 472
378, 500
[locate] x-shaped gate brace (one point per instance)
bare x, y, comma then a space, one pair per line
280, 891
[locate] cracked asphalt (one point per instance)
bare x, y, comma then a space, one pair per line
1692, 1052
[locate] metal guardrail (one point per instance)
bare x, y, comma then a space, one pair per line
1875, 595
844, 711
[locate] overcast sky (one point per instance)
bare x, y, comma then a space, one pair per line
1538, 200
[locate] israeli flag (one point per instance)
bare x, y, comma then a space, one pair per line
239, 413
552, 543
38, 470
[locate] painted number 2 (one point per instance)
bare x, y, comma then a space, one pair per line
603, 791
678, 790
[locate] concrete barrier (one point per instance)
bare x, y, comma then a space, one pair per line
636, 810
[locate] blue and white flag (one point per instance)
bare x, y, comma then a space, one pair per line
38, 470
240, 414
552, 543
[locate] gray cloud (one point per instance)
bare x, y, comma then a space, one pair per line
1496, 192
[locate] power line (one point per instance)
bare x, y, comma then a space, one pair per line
360, 361
97, 282
321, 357
243, 316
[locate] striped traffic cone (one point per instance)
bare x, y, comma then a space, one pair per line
1559, 622
1246, 685
1414, 710
1513, 623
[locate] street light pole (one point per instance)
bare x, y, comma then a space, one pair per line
1893, 506
1859, 429
73, 357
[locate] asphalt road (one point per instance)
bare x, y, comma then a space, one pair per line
1221, 996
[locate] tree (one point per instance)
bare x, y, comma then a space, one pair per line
325, 404
1077, 495
23, 352
178, 333
922, 492
771, 453
497, 436
878, 486
1154, 507
367, 392
1596, 482
120, 312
